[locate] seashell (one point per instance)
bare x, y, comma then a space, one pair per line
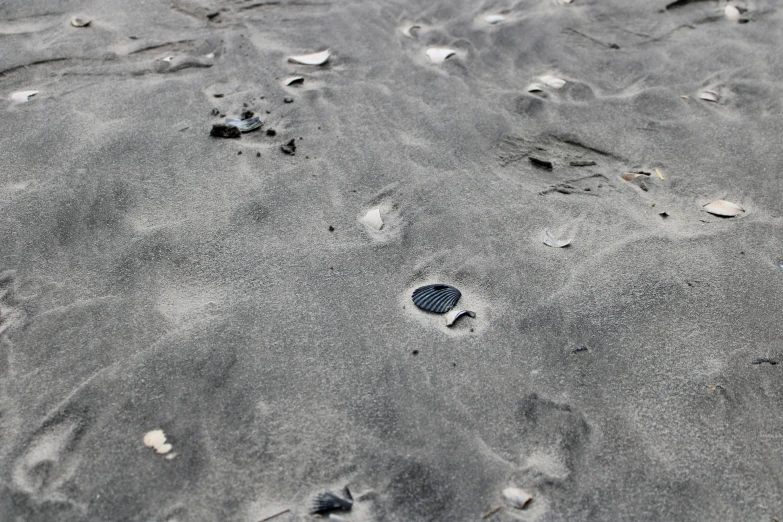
408, 28
564, 2
451, 317
294, 80
659, 173
732, 12
373, 219
246, 125
780, 265
723, 208
710, 96
555, 243
516, 498
437, 298
552, 81
168, 59
80, 21
439, 54
327, 501
630, 176
156, 440
494, 19
23, 96
535, 87
311, 59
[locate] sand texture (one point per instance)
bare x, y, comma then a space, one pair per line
196, 328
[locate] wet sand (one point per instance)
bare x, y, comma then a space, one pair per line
235, 297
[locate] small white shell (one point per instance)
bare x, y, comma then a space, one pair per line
564, 2
710, 96
311, 59
535, 87
732, 13
494, 19
555, 243
630, 176
156, 440
168, 59
408, 28
373, 219
293, 80
516, 498
23, 96
439, 54
80, 21
452, 316
552, 81
723, 208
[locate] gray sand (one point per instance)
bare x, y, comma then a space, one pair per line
154, 278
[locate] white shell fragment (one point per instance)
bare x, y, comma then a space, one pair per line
451, 317
80, 21
373, 219
630, 176
168, 59
516, 498
723, 208
564, 2
311, 59
710, 96
535, 87
555, 243
156, 440
407, 30
732, 13
494, 19
439, 54
23, 96
552, 81
294, 80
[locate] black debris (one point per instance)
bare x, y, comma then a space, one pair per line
271, 132
767, 360
215, 112
542, 163
288, 99
218, 95
221, 130
331, 228
290, 147
581, 163
664, 215
258, 154
213, 15
579, 348
247, 115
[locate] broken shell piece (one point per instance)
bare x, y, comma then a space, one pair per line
407, 30
564, 2
327, 501
373, 219
630, 176
80, 21
168, 59
494, 19
659, 173
733, 12
156, 440
516, 498
555, 243
710, 96
552, 81
246, 125
437, 298
294, 80
311, 59
23, 96
723, 208
452, 316
439, 54
535, 87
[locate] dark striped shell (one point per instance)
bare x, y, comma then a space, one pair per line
327, 501
436, 298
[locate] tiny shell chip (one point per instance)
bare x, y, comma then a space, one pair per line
437, 298
23, 96
555, 243
373, 219
311, 59
294, 80
553, 81
732, 13
156, 440
630, 176
516, 498
80, 21
535, 87
564, 2
451, 317
494, 19
710, 96
439, 54
247, 125
723, 208
407, 30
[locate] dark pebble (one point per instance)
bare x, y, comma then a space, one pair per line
289, 148
221, 130
218, 95
331, 228
215, 112
258, 154
541, 163
247, 115
271, 132
239, 153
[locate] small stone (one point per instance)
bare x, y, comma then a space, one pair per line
221, 130
258, 154
331, 228
289, 148
271, 132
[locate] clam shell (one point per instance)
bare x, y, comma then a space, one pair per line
535, 87
516, 498
437, 298
327, 501
555, 243
630, 176
710, 96
552, 81
23, 96
156, 440
723, 208
247, 125
294, 80
408, 28
494, 19
80, 21
311, 59
732, 13
439, 54
451, 317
